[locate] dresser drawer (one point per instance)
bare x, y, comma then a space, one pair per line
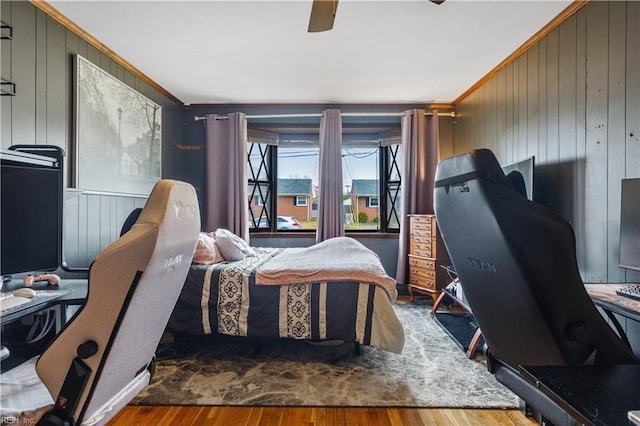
414, 271
421, 249
422, 262
424, 283
421, 233
434, 248
425, 239
421, 223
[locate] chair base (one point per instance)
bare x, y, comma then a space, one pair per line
533, 403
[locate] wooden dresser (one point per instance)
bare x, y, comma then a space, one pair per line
426, 255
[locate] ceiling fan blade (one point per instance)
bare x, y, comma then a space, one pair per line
323, 13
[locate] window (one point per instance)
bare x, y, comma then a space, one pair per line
360, 174
283, 181
297, 179
392, 162
260, 178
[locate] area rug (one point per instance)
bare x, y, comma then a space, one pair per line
432, 371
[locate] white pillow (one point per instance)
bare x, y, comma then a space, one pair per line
231, 246
207, 251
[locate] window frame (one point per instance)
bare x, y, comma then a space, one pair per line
389, 158
370, 204
271, 167
386, 160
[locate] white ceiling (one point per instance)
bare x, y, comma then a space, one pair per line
219, 52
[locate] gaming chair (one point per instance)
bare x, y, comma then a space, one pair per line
516, 260
105, 355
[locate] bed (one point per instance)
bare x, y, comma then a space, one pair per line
335, 290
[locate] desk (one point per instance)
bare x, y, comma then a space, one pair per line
75, 294
604, 295
591, 395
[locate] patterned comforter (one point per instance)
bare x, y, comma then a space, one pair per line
225, 298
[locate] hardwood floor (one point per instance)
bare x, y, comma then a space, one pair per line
316, 416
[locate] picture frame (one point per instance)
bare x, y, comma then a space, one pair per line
118, 134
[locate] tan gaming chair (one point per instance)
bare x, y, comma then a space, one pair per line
105, 354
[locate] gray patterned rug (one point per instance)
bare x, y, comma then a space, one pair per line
432, 371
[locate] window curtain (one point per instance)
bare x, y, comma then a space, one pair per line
330, 207
419, 161
226, 196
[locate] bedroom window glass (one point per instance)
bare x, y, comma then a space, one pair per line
297, 182
360, 174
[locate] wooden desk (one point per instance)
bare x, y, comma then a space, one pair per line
604, 295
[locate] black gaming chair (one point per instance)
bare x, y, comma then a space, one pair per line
516, 261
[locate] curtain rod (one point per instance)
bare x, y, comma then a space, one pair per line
344, 114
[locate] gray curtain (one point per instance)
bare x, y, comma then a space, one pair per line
330, 210
420, 158
225, 195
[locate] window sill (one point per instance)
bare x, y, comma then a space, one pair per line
310, 233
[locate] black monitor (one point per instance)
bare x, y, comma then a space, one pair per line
31, 223
525, 168
630, 224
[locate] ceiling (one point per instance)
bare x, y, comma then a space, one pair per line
246, 52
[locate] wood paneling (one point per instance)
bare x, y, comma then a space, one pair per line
595, 267
572, 101
40, 60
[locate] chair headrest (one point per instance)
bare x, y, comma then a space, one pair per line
477, 164
167, 194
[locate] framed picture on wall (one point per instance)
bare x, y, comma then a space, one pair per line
118, 134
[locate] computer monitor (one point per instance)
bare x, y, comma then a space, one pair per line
31, 222
630, 224
526, 169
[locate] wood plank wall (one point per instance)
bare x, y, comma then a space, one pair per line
572, 101
39, 59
